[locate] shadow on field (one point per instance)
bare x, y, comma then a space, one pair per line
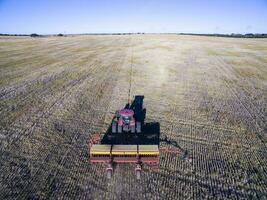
150, 133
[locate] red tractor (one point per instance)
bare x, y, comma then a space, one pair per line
126, 121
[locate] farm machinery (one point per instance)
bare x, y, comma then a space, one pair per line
137, 155
125, 146
128, 140
127, 121
130, 118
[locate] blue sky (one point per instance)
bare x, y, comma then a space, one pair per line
107, 16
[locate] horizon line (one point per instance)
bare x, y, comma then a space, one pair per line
139, 32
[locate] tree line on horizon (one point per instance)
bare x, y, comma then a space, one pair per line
235, 35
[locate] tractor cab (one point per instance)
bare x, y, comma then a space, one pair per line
125, 122
126, 117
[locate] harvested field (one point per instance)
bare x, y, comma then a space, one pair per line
207, 93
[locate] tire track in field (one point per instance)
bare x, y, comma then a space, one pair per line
69, 85
106, 89
104, 83
46, 111
61, 62
236, 76
28, 95
48, 50
234, 94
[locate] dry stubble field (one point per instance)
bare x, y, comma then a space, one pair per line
208, 94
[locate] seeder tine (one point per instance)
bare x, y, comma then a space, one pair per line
138, 175
138, 170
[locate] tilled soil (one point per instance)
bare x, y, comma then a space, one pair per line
208, 95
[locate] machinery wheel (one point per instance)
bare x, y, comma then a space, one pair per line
138, 174
138, 127
114, 127
119, 129
109, 174
132, 129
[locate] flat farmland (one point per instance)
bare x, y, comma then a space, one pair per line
207, 93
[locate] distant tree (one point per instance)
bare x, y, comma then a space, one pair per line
60, 35
249, 35
34, 35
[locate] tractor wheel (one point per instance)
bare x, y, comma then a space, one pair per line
138, 127
114, 127
132, 129
119, 129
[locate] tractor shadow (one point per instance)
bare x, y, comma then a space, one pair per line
150, 134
